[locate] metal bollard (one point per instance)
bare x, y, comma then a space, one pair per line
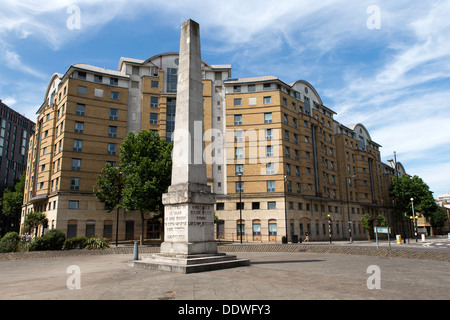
135, 251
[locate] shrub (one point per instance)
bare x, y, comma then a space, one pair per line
95, 243
57, 238
40, 244
9, 242
53, 240
75, 243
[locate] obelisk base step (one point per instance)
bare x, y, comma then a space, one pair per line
180, 263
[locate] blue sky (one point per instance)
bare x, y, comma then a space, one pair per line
385, 64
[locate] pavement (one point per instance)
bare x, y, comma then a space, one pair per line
275, 275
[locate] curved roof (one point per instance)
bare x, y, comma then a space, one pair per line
171, 54
353, 127
310, 87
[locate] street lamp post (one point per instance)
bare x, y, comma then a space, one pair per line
348, 207
118, 202
398, 192
414, 219
329, 226
240, 205
285, 207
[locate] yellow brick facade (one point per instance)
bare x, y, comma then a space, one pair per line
294, 157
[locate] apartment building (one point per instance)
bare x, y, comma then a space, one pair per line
278, 161
86, 114
15, 131
291, 168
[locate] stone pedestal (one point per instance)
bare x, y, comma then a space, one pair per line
189, 220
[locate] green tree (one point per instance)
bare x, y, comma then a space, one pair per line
411, 187
439, 217
35, 219
109, 187
146, 161
367, 222
381, 221
109, 190
12, 200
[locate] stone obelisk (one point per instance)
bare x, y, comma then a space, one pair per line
189, 203
189, 244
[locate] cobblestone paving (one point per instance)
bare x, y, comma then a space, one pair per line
308, 248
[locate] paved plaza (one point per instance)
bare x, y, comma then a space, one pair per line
271, 276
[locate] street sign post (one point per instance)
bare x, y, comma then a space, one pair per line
382, 230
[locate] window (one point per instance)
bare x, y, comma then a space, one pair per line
239, 169
114, 95
240, 229
271, 205
267, 86
269, 151
267, 100
268, 117
269, 134
98, 93
76, 164
251, 88
74, 183
82, 90
82, 75
238, 120
98, 79
172, 79
113, 114
299, 188
288, 152
255, 206
239, 153
114, 81
153, 118
286, 135
239, 187
271, 186
272, 229
80, 109
79, 127
288, 169
74, 205
238, 102
111, 149
270, 168
77, 145
154, 84
239, 205
112, 132
286, 119
154, 102
220, 206
238, 134
297, 171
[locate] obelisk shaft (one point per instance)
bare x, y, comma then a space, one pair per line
188, 166
189, 203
